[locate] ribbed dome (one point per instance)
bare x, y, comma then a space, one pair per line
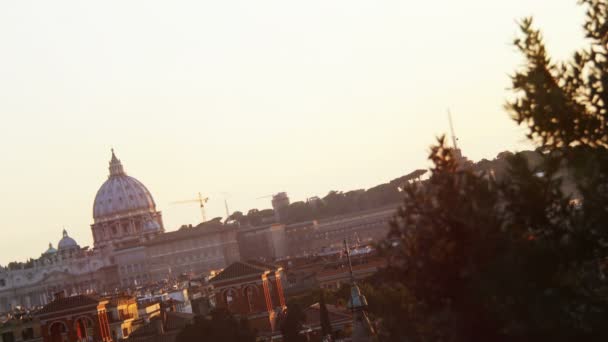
121, 194
66, 242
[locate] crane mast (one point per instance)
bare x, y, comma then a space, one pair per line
201, 202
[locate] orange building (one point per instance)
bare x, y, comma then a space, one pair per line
76, 318
122, 313
252, 290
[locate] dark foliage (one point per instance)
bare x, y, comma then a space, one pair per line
521, 257
325, 322
221, 326
292, 324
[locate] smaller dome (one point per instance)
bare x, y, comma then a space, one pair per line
66, 242
51, 250
151, 226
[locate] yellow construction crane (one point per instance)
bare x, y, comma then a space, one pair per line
201, 202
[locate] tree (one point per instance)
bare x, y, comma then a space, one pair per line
292, 324
221, 326
326, 329
517, 258
238, 217
254, 218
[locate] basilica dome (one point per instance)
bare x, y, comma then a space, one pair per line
66, 242
120, 195
51, 250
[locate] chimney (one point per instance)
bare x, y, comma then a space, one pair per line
59, 295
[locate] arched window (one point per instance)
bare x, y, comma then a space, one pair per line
229, 298
250, 292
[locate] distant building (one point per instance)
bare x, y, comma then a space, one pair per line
68, 268
19, 326
279, 241
196, 250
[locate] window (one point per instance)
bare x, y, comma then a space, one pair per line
27, 333
58, 331
229, 298
250, 294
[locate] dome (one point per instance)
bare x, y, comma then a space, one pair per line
66, 242
121, 194
51, 250
151, 226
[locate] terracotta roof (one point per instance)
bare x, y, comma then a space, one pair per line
178, 320
241, 269
68, 303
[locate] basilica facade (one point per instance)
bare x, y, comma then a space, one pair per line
130, 248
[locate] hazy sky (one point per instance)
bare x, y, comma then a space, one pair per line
244, 97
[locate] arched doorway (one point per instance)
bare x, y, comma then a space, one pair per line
58, 331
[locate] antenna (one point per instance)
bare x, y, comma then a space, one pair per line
227, 210
350, 265
226, 195
454, 139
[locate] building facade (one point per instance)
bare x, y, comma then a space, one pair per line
251, 290
20, 327
74, 319
279, 241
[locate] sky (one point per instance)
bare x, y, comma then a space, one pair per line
243, 99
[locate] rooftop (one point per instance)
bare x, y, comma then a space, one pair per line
186, 233
69, 303
242, 269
